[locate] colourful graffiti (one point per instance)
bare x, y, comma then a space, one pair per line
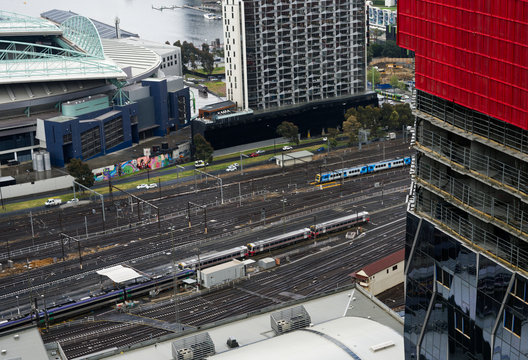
131, 166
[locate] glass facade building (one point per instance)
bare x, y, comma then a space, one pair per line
467, 221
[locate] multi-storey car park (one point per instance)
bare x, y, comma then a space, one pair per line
65, 89
466, 250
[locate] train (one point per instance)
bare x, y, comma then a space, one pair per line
186, 269
275, 242
361, 169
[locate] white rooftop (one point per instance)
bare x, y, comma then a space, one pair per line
341, 318
141, 61
296, 155
227, 265
335, 339
119, 273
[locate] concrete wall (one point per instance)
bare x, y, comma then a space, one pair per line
386, 279
39, 186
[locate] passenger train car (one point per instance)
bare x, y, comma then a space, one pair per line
362, 169
278, 241
211, 259
341, 223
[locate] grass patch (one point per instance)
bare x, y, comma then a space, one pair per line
217, 87
217, 71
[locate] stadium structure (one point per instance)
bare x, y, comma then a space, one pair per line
66, 89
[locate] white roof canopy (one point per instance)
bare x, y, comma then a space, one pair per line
119, 273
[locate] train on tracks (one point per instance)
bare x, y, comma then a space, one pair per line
274, 242
339, 174
186, 269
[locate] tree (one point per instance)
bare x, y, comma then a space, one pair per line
289, 131
404, 114
351, 127
207, 60
394, 81
377, 76
393, 120
386, 112
202, 148
81, 172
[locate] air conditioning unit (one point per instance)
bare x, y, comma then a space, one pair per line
283, 326
185, 354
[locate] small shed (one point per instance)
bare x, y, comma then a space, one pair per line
383, 274
221, 274
119, 274
294, 158
266, 263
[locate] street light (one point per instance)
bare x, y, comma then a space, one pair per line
18, 306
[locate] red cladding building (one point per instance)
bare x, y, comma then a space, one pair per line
471, 52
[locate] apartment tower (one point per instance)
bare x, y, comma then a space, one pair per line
467, 221
286, 52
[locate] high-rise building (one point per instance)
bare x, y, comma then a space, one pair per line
285, 52
467, 225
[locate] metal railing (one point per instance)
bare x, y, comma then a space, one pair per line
484, 165
510, 250
474, 122
482, 203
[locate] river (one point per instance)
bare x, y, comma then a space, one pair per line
136, 16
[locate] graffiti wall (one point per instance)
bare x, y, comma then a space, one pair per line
131, 166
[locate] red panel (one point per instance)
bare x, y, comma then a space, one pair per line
474, 53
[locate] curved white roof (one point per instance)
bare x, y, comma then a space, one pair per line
343, 338
140, 61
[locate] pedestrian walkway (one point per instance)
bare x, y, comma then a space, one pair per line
278, 142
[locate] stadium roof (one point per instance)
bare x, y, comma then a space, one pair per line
81, 58
106, 31
139, 62
12, 24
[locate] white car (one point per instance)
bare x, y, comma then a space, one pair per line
152, 186
260, 151
231, 168
325, 138
235, 165
74, 200
142, 186
286, 148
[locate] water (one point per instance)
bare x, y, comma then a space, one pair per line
136, 16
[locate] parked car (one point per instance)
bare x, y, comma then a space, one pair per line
286, 148
142, 186
152, 186
53, 202
254, 154
321, 149
200, 163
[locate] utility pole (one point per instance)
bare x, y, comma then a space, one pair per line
189, 213
32, 231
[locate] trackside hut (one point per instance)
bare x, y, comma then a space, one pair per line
383, 274
294, 158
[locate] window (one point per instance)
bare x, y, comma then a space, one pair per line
443, 277
519, 289
512, 323
462, 324
394, 267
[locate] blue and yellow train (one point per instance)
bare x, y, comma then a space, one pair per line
362, 169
